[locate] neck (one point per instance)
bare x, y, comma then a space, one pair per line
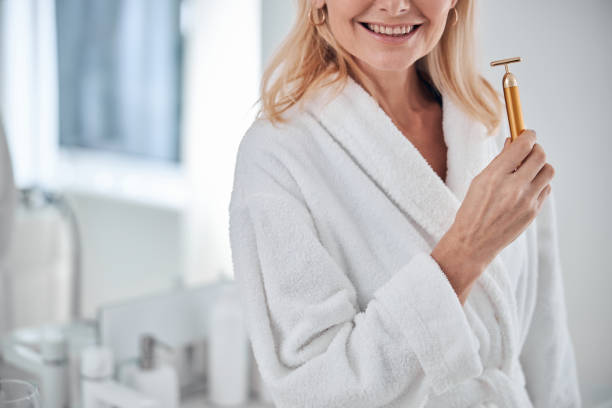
401, 94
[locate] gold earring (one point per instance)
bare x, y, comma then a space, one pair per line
456, 16
320, 20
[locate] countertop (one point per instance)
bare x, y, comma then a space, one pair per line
202, 402
195, 401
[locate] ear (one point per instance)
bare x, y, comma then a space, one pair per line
454, 3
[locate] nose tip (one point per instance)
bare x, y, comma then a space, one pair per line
394, 7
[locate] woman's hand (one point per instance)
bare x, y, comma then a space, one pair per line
499, 205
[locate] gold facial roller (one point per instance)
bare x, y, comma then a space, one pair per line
511, 95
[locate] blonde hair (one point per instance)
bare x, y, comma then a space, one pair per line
310, 58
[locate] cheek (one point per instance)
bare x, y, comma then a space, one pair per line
431, 35
432, 31
346, 35
435, 11
342, 15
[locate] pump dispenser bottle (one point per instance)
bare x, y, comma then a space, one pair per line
155, 380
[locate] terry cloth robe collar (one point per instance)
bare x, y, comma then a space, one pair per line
358, 124
365, 131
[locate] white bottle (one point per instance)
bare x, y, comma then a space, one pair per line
159, 381
55, 370
228, 360
97, 364
99, 390
80, 335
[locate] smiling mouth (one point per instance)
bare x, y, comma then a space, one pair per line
391, 31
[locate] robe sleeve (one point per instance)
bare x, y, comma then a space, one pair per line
313, 345
547, 355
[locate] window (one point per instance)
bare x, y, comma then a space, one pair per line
139, 100
119, 69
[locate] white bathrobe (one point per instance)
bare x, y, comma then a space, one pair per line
332, 221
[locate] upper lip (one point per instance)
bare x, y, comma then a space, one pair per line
391, 25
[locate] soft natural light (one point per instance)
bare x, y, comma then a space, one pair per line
221, 71
217, 98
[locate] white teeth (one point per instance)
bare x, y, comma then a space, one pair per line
389, 30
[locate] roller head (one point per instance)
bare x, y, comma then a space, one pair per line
506, 62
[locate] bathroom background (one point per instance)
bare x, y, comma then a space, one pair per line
149, 179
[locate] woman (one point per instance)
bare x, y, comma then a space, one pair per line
388, 253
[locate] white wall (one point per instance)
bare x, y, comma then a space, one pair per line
277, 17
564, 83
565, 86
222, 70
129, 249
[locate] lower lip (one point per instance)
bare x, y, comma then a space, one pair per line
388, 39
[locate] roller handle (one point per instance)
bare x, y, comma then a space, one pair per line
512, 98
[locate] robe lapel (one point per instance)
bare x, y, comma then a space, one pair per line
397, 166
356, 121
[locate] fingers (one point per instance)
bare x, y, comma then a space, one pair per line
544, 193
514, 153
532, 164
542, 179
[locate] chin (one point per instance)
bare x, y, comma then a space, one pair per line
389, 63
